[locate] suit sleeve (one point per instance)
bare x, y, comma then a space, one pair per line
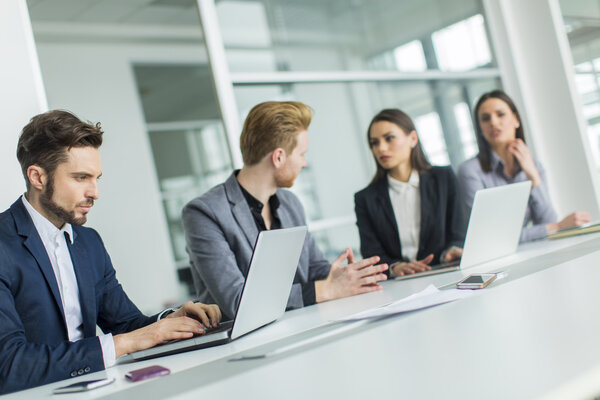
318, 266
370, 244
542, 211
116, 312
212, 257
455, 221
24, 364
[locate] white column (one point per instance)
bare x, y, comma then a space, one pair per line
221, 78
22, 93
537, 71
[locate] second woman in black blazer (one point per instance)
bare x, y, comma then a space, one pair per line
400, 158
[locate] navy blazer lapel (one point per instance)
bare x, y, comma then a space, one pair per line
85, 281
34, 244
387, 220
240, 209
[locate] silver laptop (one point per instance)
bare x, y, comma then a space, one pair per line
494, 229
264, 295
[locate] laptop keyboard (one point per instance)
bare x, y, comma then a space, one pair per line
223, 326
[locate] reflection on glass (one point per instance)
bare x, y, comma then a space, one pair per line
339, 160
462, 46
465, 126
581, 23
430, 133
346, 35
186, 135
410, 57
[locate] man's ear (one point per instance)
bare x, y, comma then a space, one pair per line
278, 157
37, 176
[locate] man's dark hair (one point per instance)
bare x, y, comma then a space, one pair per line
47, 138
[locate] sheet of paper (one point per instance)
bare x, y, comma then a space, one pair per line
428, 297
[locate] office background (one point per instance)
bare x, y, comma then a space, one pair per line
172, 80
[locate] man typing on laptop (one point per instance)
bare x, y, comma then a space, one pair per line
221, 226
57, 282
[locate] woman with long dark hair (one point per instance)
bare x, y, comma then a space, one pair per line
410, 214
505, 158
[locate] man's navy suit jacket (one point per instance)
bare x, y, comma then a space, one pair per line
34, 346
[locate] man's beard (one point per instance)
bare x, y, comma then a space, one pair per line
51, 207
285, 179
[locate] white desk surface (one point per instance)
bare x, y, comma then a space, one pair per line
531, 334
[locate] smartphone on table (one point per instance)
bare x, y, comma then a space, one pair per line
83, 386
146, 373
476, 281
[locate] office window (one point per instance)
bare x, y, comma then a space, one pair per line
410, 57
432, 139
581, 20
186, 134
462, 46
465, 126
339, 35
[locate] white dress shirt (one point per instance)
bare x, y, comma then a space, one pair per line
406, 203
54, 241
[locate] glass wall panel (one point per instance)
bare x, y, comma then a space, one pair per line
349, 35
141, 68
190, 151
339, 160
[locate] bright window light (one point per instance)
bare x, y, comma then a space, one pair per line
432, 138
462, 46
465, 127
410, 57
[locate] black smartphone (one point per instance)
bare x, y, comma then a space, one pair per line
83, 386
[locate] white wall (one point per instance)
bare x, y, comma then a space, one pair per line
21, 94
96, 82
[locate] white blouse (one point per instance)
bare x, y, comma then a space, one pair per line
406, 203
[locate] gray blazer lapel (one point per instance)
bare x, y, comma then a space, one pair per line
240, 209
285, 216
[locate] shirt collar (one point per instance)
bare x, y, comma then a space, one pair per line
255, 204
496, 164
413, 181
46, 229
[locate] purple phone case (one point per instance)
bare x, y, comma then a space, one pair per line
146, 373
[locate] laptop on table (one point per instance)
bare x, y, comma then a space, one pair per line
494, 229
264, 295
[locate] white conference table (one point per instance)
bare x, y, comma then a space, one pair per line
533, 333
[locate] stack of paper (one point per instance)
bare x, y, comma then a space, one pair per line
430, 296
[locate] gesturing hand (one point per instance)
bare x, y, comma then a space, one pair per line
407, 268
355, 278
453, 254
519, 149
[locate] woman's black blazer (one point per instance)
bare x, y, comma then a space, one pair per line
442, 223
